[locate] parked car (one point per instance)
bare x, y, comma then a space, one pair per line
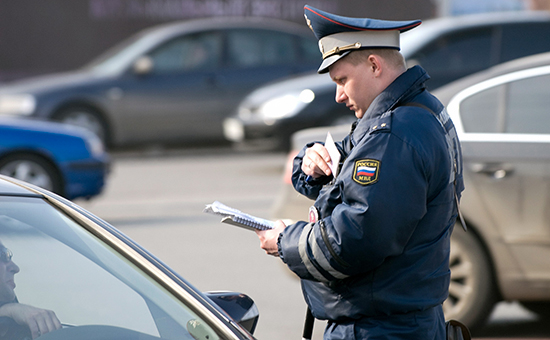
67, 160
171, 83
501, 117
448, 48
100, 283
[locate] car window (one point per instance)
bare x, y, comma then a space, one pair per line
251, 48
90, 286
528, 106
524, 39
481, 112
520, 106
455, 55
189, 53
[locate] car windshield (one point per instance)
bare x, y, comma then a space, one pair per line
92, 288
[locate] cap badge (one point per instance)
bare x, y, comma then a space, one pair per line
308, 22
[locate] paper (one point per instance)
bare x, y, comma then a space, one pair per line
334, 154
238, 218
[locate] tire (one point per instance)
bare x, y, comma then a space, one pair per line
87, 118
472, 291
33, 169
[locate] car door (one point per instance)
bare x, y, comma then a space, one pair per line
173, 100
504, 127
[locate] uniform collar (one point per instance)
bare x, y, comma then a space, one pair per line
401, 90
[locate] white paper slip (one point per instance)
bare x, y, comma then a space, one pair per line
238, 218
334, 154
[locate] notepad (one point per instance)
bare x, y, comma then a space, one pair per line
333, 153
236, 217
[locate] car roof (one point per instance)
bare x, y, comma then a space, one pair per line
447, 92
414, 39
197, 25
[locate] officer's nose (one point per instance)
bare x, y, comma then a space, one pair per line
12, 267
340, 94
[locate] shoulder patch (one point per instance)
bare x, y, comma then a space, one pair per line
366, 171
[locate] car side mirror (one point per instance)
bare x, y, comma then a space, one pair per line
239, 306
143, 65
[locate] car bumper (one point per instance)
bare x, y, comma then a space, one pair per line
86, 178
239, 131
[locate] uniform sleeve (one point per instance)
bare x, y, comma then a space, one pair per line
374, 220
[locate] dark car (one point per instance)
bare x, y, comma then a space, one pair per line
503, 122
448, 48
67, 160
99, 283
171, 83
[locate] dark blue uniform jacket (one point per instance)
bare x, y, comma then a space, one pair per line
381, 245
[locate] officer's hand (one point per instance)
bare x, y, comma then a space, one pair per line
40, 321
268, 238
316, 161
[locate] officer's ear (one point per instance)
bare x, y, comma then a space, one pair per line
375, 65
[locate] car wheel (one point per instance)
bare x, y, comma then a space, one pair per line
32, 169
87, 118
472, 291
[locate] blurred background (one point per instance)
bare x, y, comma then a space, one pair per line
131, 108
41, 37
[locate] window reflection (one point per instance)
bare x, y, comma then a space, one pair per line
520, 106
189, 53
528, 106
257, 48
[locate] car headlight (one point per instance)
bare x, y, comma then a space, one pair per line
285, 106
17, 104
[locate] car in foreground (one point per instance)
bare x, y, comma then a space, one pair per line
172, 83
448, 48
67, 160
101, 284
502, 119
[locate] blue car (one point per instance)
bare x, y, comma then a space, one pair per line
67, 160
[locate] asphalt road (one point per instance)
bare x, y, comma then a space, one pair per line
156, 197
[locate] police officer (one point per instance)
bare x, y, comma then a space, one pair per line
374, 258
